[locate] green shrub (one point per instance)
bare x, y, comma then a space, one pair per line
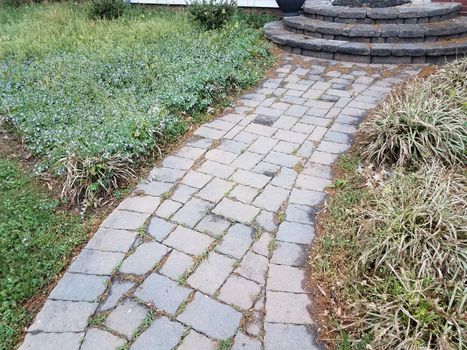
92, 99
212, 14
255, 19
106, 9
424, 123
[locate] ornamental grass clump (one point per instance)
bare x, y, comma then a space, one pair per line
396, 258
424, 123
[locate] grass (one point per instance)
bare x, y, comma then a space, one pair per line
93, 98
391, 255
36, 239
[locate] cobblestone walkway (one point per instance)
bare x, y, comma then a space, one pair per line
212, 247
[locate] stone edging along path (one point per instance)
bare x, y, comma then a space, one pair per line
227, 222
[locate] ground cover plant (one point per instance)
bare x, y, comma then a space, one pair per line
91, 98
35, 239
391, 259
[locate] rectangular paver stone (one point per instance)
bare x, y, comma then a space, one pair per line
99, 339
192, 212
163, 334
295, 233
196, 341
254, 267
236, 211
271, 198
125, 220
286, 279
79, 287
240, 292
96, 262
112, 240
176, 264
236, 242
251, 179
52, 341
188, 241
288, 308
145, 257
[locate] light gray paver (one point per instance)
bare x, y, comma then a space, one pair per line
196, 341
287, 308
159, 228
216, 169
63, 316
211, 273
52, 341
96, 262
112, 240
168, 208
213, 225
236, 211
183, 193
243, 342
295, 233
215, 190
237, 241
176, 264
261, 246
243, 193
98, 339
162, 292
142, 204
211, 317
126, 318
166, 174
306, 197
271, 198
145, 257
125, 220
279, 336
117, 290
289, 254
163, 334
286, 279
254, 267
300, 213
265, 220
239, 291
192, 212
251, 179
79, 287
153, 188
196, 179
188, 241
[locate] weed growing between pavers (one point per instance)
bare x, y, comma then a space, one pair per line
92, 98
35, 240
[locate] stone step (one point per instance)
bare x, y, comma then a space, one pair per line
423, 52
380, 33
413, 13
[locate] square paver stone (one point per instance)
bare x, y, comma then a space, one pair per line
289, 254
112, 240
63, 316
163, 334
192, 212
215, 190
240, 292
288, 308
279, 336
196, 341
98, 339
161, 291
211, 317
117, 290
159, 228
244, 342
176, 264
145, 257
96, 262
271, 198
126, 318
211, 273
237, 241
188, 241
153, 188
253, 267
214, 225
52, 341
79, 287
142, 204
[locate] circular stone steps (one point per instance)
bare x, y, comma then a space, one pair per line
344, 50
413, 13
378, 33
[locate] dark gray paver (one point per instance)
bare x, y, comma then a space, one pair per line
126, 318
79, 287
99, 339
211, 317
163, 334
63, 316
162, 292
145, 257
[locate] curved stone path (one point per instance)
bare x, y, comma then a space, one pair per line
211, 248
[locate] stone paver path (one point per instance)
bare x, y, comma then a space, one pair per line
213, 245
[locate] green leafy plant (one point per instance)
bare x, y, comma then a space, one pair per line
212, 14
106, 9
